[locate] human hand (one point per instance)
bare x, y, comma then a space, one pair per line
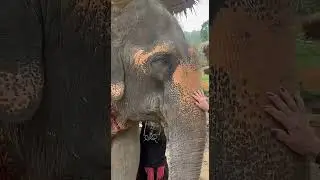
290, 112
201, 100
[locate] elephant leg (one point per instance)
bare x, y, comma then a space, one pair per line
125, 154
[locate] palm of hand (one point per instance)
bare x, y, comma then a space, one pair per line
201, 100
297, 134
302, 136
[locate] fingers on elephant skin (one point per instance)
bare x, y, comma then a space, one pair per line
277, 115
286, 96
196, 96
281, 135
278, 102
299, 101
200, 93
20, 92
197, 104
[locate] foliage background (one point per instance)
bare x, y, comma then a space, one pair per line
196, 39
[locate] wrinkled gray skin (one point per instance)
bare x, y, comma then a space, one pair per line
150, 94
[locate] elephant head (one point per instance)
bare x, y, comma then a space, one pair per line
152, 77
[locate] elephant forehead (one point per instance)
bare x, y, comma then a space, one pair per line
187, 78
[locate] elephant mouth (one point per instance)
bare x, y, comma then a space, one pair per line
116, 126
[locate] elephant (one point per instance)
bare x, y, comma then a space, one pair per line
152, 76
54, 69
253, 53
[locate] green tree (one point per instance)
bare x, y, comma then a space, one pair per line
204, 32
193, 37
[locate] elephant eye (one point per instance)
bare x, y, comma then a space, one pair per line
162, 65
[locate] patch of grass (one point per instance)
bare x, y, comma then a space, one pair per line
205, 82
307, 53
310, 95
205, 78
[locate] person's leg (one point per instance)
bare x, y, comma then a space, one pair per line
141, 174
166, 171
162, 172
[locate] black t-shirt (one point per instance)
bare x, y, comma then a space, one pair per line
153, 145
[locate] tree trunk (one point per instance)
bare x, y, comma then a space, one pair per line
252, 51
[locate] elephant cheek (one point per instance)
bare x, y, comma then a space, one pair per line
20, 92
186, 79
117, 91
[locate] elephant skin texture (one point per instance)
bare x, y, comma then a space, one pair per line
153, 74
53, 91
253, 53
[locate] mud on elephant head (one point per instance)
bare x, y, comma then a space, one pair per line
153, 75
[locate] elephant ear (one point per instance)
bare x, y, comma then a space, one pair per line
117, 76
178, 6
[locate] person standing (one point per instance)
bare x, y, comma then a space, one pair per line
153, 161
153, 142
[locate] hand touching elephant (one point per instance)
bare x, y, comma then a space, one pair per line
201, 100
290, 112
155, 74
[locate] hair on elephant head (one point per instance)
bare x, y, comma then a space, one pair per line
153, 75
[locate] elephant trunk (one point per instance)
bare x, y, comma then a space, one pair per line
186, 135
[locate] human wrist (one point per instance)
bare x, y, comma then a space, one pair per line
205, 109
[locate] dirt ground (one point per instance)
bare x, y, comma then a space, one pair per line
205, 162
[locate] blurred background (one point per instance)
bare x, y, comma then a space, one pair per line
195, 24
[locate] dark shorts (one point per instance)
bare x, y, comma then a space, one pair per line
142, 172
